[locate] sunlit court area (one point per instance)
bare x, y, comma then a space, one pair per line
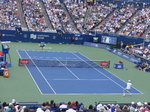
74, 55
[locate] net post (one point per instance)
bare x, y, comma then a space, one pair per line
19, 62
109, 64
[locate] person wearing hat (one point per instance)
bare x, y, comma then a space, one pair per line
62, 105
73, 104
128, 88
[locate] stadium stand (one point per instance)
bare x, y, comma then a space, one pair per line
119, 17
52, 106
138, 24
34, 16
72, 17
142, 53
77, 12
58, 16
128, 19
10, 17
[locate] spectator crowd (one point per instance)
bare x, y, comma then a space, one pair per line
52, 106
138, 24
34, 16
9, 15
72, 16
58, 16
142, 53
118, 19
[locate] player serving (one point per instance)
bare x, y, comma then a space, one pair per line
128, 88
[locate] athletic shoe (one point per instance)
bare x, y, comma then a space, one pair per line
130, 94
123, 94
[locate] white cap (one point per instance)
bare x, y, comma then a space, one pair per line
139, 103
132, 102
112, 105
145, 103
13, 101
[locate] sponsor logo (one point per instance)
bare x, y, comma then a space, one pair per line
54, 37
76, 38
33, 36
119, 53
114, 50
125, 56
24, 62
9, 35
108, 48
25, 35
96, 45
133, 60
104, 64
147, 40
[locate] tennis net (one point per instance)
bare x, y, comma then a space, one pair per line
64, 63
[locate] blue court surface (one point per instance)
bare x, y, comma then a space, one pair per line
65, 80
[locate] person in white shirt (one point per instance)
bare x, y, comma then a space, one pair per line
128, 88
63, 105
70, 109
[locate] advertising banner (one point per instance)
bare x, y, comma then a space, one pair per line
113, 50
125, 56
95, 45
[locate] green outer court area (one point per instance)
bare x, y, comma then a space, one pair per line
20, 85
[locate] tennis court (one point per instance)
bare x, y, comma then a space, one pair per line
71, 80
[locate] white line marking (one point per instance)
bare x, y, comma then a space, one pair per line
31, 75
41, 74
115, 76
100, 72
68, 69
80, 79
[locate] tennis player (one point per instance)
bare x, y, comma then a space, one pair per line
128, 88
41, 46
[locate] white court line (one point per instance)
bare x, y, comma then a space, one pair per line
47, 48
68, 69
99, 71
78, 79
112, 74
30, 73
41, 74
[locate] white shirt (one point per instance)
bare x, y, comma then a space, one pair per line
63, 106
70, 110
129, 85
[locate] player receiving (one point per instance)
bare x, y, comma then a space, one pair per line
41, 46
128, 88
